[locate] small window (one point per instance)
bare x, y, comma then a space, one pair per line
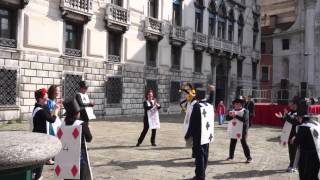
177, 12
152, 50
212, 24
8, 87
197, 61
71, 86
117, 2
114, 47
174, 92
175, 57
265, 73
152, 85
198, 20
263, 47
73, 39
8, 28
285, 44
114, 90
254, 71
153, 8
239, 69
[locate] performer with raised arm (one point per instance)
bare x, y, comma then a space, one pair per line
308, 142
151, 107
201, 132
289, 130
238, 129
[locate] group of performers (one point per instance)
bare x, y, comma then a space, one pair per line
302, 140
45, 119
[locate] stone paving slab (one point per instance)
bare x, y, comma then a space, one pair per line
114, 156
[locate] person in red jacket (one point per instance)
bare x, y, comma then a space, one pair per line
220, 110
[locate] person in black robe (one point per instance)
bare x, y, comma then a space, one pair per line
83, 92
73, 114
250, 106
308, 160
237, 103
40, 116
199, 152
291, 117
148, 104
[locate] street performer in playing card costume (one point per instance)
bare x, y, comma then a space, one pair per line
238, 129
72, 116
308, 142
84, 102
40, 117
201, 131
289, 130
151, 107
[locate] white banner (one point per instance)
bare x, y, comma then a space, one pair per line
284, 139
90, 113
207, 123
235, 128
153, 118
187, 117
67, 162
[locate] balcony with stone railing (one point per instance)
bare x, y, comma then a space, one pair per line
117, 18
223, 45
80, 10
226, 46
200, 41
153, 28
177, 35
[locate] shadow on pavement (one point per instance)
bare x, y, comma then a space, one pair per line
248, 174
110, 147
274, 139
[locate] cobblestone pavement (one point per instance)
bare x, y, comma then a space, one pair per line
114, 156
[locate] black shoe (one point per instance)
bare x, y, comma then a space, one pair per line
249, 160
153, 144
138, 144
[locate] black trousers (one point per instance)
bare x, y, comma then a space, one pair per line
38, 172
245, 147
292, 153
308, 165
201, 154
144, 132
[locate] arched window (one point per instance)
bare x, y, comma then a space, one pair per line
240, 28
255, 33
198, 15
212, 18
222, 15
177, 12
230, 25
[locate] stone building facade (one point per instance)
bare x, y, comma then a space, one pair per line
294, 44
123, 47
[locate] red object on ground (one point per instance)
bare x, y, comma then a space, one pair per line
264, 114
314, 109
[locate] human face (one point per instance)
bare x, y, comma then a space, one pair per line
43, 101
221, 102
56, 92
150, 95
237, 105
83, 90
77, 116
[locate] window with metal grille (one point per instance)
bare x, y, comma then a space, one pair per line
8, 27
71, 85
152, 85
114, 47
73, 38
8, 86
114, 90
174, 92
197, 61
152, 50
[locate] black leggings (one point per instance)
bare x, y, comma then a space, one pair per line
245, 147
144, 132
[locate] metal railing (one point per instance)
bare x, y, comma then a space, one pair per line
178, 33
117, 14
113, 58
72, 52
200, 39
11, 43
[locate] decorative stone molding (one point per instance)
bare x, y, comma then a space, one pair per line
78, 10
117, 18
200, 41
153, 29
177, 35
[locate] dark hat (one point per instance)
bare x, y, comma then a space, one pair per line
296, 100
83, 84
302, 109
71, 107
237, 100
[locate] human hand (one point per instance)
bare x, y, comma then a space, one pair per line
211, 87
279, 115
285, 111
292, 140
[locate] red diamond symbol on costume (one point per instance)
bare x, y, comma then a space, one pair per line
74, 170
234, 123
284, 143
57, 170
238, 135
75, 133
59, 133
